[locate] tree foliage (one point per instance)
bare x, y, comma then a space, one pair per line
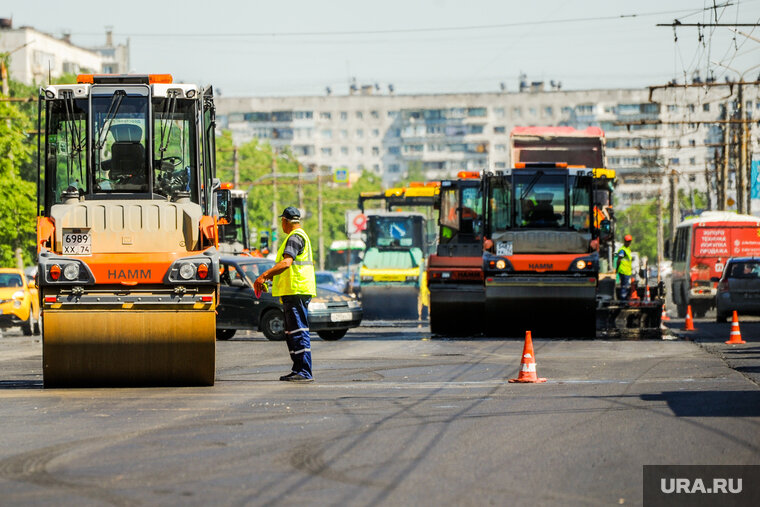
640, 221
255, 166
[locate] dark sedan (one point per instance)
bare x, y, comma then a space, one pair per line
739, 288
331, 314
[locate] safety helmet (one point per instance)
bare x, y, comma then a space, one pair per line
627, 237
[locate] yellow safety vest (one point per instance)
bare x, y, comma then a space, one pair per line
299, 277
624, 264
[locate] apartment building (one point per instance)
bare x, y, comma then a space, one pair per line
445, 133
35, 55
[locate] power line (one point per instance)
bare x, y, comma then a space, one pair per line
403, 30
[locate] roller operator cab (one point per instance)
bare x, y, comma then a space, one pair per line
127, 232
541, 272
455, 271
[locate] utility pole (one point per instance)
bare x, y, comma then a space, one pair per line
300, 188
743, 169
726, 162
740, 172
235, 167
660, 232
708, 183
319, 214
674, 206
275, 222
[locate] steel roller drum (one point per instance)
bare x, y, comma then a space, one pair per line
390, 302
128, 347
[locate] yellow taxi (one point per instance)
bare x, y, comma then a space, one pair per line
19, 303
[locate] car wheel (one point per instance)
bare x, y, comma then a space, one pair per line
38, 325
332, 334
273, 325
225, 334
28, 326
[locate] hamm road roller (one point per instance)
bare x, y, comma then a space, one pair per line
128, 207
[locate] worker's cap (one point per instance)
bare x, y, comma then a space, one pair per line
627, 237
291, 213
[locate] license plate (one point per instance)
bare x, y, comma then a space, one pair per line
503, 248
77, 243
340, 316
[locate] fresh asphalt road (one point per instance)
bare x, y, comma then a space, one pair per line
395, 418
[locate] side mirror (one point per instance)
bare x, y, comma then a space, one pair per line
605, 230
237, 282
666, 253
223, 199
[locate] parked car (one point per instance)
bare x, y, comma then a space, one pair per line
19, 303
331, 314
329, 280
738, 288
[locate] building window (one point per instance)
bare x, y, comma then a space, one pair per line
344, 134
327, 134
500, 147
324, 115
548, 111
532, 111
692, 161
392, 114
475, 129
672, 144
326, 151
517, 111
412, 148
375, 115
360, 133
343, 115
359, 115
376, 168
360, 150
692, 178
476, 111
303, 115
498, 112
375, 150
394, 150
500, 165
674, 161
692, 142
706, 108
567, 110
394, 168
344, 150
375, 133
672, 108
500, 130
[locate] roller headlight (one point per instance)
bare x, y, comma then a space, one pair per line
581, 264
501, 264
187, 270
71, 271
19, 294
317, 306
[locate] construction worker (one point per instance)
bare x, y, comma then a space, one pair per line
624, 266
294, 282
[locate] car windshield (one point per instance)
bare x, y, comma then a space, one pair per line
10, 280
748, 269
254, 269
324, 278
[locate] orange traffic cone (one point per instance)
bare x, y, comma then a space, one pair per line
689, 324
736, 336
646, 294
664, 316
528, 363
634, 292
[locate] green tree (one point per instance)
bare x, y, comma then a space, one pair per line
17, 195
640, 221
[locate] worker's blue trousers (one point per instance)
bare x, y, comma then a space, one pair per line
297, 336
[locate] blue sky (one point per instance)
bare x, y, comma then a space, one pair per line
299, 47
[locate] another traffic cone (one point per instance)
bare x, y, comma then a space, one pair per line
736, 335
664, 316
689, 324
528, 363
634, 292
646, 294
